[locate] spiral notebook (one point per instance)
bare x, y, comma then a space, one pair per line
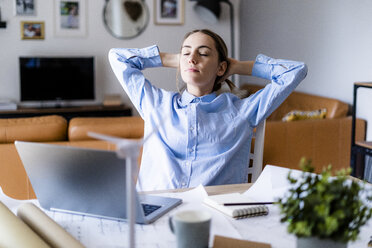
239, 211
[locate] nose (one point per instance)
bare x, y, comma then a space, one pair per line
192, 59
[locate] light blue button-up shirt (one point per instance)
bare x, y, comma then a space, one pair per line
201, 140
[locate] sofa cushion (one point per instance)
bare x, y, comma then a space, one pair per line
41, 129
307, 102
304, 102
126, 127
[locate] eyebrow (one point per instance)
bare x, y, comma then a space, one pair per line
202, 46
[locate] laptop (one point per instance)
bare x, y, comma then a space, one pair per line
86, 181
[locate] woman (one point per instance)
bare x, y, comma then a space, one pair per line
202, 138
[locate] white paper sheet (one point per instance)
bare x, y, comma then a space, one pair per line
98, 233
271, 184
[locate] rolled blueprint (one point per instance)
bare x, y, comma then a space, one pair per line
15, 233
46, 227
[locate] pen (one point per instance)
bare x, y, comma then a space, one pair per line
247, 203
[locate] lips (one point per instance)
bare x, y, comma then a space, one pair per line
192, 70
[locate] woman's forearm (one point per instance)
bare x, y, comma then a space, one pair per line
241, 67
170, 59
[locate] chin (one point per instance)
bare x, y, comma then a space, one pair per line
192, 79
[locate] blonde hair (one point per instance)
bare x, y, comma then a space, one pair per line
222, 56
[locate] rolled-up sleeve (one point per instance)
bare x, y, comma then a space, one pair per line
285, 75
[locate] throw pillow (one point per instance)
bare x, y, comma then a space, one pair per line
296, 115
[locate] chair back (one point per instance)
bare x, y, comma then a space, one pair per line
256, 155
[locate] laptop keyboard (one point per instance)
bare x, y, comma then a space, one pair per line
148, 209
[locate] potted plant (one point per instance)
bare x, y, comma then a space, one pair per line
324, 211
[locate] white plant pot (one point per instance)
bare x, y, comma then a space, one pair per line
312, 242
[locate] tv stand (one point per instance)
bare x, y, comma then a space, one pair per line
69, 112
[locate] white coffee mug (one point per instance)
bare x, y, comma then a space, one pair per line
191, 228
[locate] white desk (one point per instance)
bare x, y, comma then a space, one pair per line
94, 232
266, 229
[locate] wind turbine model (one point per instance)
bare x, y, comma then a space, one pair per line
129, 150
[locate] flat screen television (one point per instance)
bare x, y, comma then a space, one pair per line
57, 79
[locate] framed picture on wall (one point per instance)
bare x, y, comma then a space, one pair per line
24, 7
169, 12
70, 18
32, 30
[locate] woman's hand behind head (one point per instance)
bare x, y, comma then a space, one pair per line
231, 64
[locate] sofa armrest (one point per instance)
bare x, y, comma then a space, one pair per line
126, 127
13, 178
325, 142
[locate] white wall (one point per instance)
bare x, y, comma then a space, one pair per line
97, 42
334, 38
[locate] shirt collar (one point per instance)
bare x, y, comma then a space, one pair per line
189, 98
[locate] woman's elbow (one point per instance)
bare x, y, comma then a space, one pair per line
302, 70
112, 53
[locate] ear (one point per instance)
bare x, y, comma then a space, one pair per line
221, 68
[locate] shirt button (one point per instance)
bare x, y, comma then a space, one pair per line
191, 128
183, 184
191, 150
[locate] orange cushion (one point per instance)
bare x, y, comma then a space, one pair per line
130, 127
42, 129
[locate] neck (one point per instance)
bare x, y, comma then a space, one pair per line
198, 92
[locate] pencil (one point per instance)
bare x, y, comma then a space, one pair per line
247, 203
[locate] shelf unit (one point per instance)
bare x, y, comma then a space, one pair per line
358, 148
70, 112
